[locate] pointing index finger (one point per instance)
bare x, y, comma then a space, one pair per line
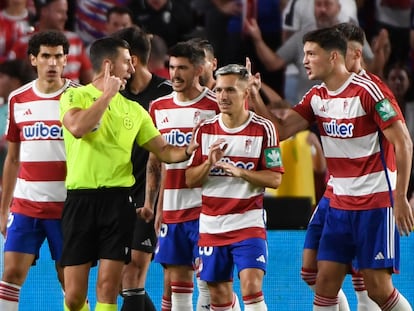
107, 69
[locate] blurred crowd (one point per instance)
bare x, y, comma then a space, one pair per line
226, 24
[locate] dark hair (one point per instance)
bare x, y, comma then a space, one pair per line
328, 39
397, 65
203, 44
119, 10
138, 40
352, 32
106, 47
47, 38
41, 4
18, 69
194, 54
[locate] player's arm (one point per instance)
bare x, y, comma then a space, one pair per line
10, 171
160, 203
81, 121
152, 186
291, 123
261, 178
267, 56
397, 134
168, 153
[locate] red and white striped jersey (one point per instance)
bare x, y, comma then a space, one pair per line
360, 160
232, 208
22, 21
176, 120
9, 33
33, 121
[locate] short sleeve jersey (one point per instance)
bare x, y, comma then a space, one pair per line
360, 160
232, 207
175, 120
102, 158
33, 122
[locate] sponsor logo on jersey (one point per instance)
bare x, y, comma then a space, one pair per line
273, 157
335, 129
240, 164
40, 130
385, 110
177, 138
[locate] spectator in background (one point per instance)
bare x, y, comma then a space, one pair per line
394, 16
9, 33
158, 59
13, 74
171, 20
118, 17
398, 77
239, 45
17, 11
326, 15
52, 15
91, 17
297, 15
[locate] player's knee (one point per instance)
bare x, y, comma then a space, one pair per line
74, 302
14, 275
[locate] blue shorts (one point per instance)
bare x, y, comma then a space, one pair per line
217, 262
27, 234
177, 244
316, 223
370, 236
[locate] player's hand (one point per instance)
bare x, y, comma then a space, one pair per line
158, 223
216, 151
4, 216
252, 29
403, 214
145, 213
229, 169
192, 146
112, 84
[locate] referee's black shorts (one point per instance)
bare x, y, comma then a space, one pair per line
97, 224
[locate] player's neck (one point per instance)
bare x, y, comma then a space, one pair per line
16, 10
48, 87
336, 79
190, 94
235, 120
